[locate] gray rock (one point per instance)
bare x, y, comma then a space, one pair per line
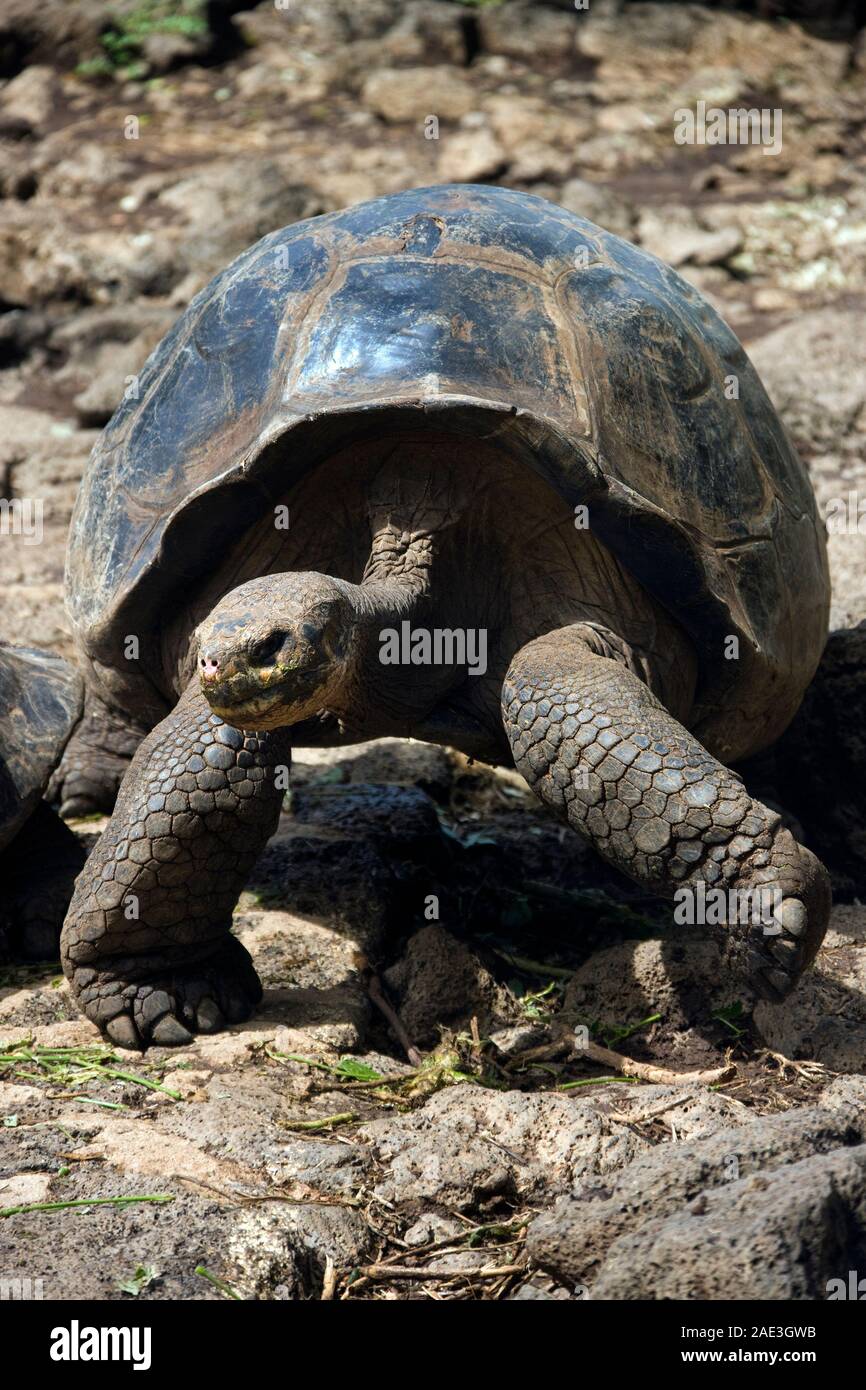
164, 51
814, 369
470, 156
675, 235
541, 1290
107, 349
432, 1228
844, 1091
439, 982
680, 975
600, 204
44, 262
411, 94
468, 1147
428, 31
281, 1250
530, 33
780, 1235
27, 101
314, 25
579, 1234
41, 458
519, 1037
113, 370
231, 203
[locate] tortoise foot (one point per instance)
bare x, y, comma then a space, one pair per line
166, 1007
598, 748
146, 944
788, 938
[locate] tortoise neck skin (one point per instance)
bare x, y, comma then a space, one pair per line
396, 590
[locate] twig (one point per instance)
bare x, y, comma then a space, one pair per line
647, 1071
535, 967
225, 1289
374, 989
383, 1271
84, 1202
545, 1052
449, 1244
810, 1071
329, 1121
329, 1282
594, 1052
243, 1199
597, 1081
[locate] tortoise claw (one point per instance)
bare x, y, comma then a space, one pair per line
169, 1032
209, 1017
123, 1031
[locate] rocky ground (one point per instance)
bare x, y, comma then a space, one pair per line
469, 1147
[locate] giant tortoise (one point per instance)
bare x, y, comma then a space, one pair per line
40, 705
459, 465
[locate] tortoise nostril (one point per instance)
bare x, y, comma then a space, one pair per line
209, 665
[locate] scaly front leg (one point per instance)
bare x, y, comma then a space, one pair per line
146, 944
597, 746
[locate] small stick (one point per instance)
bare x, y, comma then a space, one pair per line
545, 1052
417, 1272
329, 1282
810, 1071
84, 1202
646, 1071
374, 988
329, 1121
447, 1246
246, 1198
225, 1289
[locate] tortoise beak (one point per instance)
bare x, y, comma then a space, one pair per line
257, 697
217, 670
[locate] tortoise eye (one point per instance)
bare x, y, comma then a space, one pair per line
268, 648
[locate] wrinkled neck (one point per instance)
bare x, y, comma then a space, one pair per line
396, 582
401, 560
395, 589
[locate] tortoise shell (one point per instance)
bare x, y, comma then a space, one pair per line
40, 704
485, 312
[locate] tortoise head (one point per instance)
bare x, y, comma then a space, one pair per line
276, 650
